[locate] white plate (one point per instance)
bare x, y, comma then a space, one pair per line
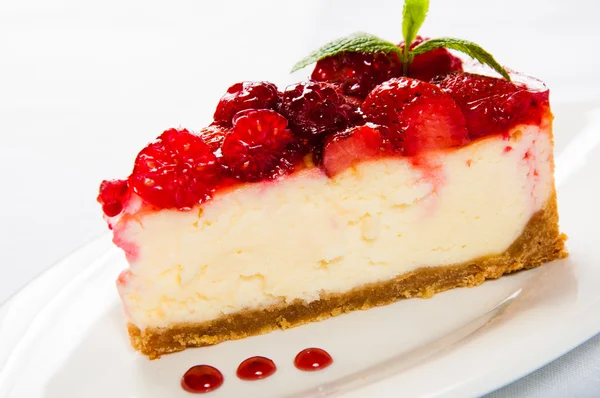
64, 335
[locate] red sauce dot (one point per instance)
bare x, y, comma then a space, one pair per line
256, 368
312, 359
201, 379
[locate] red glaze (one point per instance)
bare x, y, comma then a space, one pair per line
178, 170
357, 73
256, 368
258, 146
415, 116
494, 106
112, 195
245, 95
314, 109
432, 123
345, 149
214, 135
311, 359
433, 63
201, 379
261, 134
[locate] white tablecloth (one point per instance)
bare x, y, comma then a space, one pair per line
83, 85
574, 375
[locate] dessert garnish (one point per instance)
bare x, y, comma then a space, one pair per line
413, 16
256, 368
312, 359
201, 379
396, 171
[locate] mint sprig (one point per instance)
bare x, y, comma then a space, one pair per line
468, 47
357, 42
413, 16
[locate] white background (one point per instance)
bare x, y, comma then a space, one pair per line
85, 85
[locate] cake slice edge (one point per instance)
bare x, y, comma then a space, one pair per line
539, 243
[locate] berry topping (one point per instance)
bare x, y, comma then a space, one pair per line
344, 149
493, 106
214, 135
112, 195
178, 170
432, 123
433, 63
317, 108
245, 95
415, 116
357, 73
258, 145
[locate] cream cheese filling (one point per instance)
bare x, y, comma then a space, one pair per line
296, 238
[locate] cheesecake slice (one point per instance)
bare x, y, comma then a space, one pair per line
337, 194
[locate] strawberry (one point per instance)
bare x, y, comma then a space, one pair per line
346, 148
415, 116
178, 170
492, 105
245, 95
432, 123
258, 145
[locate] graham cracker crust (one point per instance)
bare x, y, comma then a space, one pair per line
540, 242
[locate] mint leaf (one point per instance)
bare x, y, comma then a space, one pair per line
471, 49
357, 42
413, 16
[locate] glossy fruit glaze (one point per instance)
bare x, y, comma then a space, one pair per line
312, 359
432, 64
256, 368
357, 107
205, 378
201, 379
358, 73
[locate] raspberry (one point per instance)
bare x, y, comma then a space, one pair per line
246, 95
357, 73
415, 116
112, 196
258, 145
178, 170
214, 135
346, 148
492, 105
439, 62
315, 108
